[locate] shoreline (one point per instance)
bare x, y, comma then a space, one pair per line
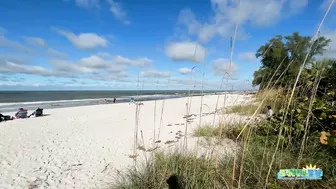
12, 107
85, 147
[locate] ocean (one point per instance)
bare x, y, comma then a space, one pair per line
11, 101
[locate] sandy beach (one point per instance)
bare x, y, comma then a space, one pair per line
83, 147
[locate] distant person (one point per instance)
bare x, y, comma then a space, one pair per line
269, 112
37, 113
105, 101
114, 100
2, 118
132, 100
21, 114
5, 117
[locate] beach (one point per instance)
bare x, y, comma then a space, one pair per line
85, 147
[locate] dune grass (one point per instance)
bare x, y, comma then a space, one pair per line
273, 98
196, 172
204, 173
228, 130
247, 109
250, 165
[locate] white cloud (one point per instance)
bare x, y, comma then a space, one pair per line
185, 71
87, 3
94, 62
84, 40
185, 51
101, 66
207, 84
118, 11
227, 14
118, 76
325, 4
56, 53
155, 73
68, 67
4, 42
135, 62
11, 67
247, 56
97, 65
35, 41
331, 51
15, 57
222, 66
2, 31
138, 62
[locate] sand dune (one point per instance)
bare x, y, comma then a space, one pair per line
83, 147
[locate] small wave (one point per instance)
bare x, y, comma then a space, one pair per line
58, 102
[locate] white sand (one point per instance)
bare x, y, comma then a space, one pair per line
82, 147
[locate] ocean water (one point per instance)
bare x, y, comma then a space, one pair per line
11, 101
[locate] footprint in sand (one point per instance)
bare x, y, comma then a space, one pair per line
170, 141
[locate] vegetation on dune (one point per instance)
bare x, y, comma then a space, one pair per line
286, 54
290, 139
244, 109
229, 130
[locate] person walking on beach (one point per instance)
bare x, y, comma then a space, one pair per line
114, 100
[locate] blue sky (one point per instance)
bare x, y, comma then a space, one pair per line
149, 44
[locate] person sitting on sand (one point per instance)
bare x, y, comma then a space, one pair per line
5, 117
37, 113
2, 118
269, 112
22, 113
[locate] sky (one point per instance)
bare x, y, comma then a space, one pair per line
146, 44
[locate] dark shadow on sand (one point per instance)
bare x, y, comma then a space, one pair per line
44, 115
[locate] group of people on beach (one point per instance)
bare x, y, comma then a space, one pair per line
22, 114
106, 101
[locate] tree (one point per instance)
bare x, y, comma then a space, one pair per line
287, 53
